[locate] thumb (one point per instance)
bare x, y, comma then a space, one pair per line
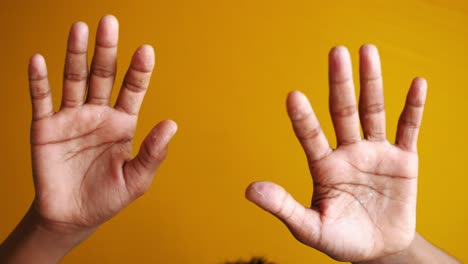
304, 223
139, 171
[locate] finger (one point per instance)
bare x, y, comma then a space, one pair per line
104, 64
342, 98
75, 75
39, 88
307, 127
303, 223
139, 171
371, 101
136, 81
410, 118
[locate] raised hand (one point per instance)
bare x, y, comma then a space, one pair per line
82, 155
82, 161
364, 197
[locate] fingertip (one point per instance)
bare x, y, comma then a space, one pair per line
418, 90
338, 48
251, 192
340, 68
147, 47
420, 82
260, 191
369, 66
294, 97
171, 127
107, 32
368, 49
338, 52
154, 148
144, 59
147, 51
36, 59
369, 59
37, 66
109, 19
163, 132
80, 26
78, 37
293, 94
298, 105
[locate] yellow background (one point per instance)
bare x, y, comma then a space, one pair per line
223, 71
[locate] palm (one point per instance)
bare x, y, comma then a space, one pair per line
79, 154
82, 155
364, 196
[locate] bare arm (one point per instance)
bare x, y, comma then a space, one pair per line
33, 242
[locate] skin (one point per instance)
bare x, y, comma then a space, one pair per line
83, 168
363, 206
364, 197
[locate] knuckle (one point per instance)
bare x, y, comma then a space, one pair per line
136, 85
373, 108
341, 81
345, 111
408, 123
71, 102
35, 76
375, 135
309, 133
103, 71
372, 81
106, 44
143, 68
300, 113
39, 93
75, 76
417, 103
136, 185
140, 188
153, 155
75, 51
99, 100
286, 212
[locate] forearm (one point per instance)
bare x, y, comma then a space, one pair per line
420, 251
33, 242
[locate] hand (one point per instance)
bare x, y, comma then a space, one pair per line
364, 197
82, 155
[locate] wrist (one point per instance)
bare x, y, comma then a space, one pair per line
68, 234
36, 240
420, 251
396, 257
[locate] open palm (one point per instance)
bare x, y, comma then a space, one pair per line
82, 155
364, 197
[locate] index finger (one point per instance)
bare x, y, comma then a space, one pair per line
136, 81
41, 97
307, 127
